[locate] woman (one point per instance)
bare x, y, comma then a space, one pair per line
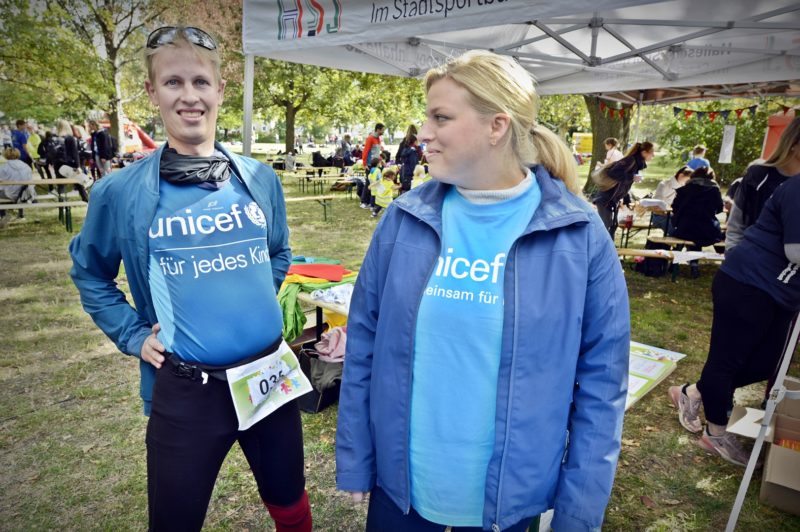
412, 130
756, 294
203, 237
666, 191
760, 181
616, 180
462, 380
15, 170
68, 159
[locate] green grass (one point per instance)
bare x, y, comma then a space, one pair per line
72, 434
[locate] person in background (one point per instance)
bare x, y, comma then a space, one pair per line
665, 191
760, 181
15, 170
420, 176
372, 146
694, 212
102, 151
489, 320
46, 152
19, 140
202, 235
612, 151
411, 130
410, 160
291, 160
67, 160
698, 159
373, 176
384, 190
756, 294
34, 140
5, 134
621, 176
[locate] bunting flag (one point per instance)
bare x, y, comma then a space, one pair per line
785, 108
612, 112
712, 115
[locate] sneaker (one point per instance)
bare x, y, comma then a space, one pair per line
364, 206
688, 409
726, 446
374, 214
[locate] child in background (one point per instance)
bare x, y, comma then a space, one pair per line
384, 190
373, 176
420, 176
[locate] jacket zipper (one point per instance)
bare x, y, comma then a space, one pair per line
407, 471
495, 525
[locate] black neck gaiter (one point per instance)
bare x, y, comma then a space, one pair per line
193, 169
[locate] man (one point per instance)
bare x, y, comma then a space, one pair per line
102, 152
19, 140
202, 235
372, 146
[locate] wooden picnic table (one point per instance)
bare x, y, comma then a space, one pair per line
319, 306
64, 207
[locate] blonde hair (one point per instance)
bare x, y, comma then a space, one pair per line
419, 171
182, 42
783, 151
498, 84
63, 128
11, 153
699, 149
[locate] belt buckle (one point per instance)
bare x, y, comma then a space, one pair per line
182, 369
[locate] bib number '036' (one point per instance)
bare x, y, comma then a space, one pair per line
261, 387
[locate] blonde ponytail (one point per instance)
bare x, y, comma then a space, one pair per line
552, 152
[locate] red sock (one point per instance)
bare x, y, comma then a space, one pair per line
294, 518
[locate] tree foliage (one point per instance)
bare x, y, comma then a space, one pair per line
603, 127
67, 57
680, 135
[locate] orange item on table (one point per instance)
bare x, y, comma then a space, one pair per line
329, 272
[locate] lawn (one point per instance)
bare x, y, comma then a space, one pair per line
72, 434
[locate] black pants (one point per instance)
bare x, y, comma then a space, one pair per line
748, 335
384, 515
609, 217
191, 429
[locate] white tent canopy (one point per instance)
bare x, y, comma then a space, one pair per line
604, 47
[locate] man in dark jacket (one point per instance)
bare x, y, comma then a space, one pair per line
102, 154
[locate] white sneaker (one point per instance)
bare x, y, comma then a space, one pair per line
364, 206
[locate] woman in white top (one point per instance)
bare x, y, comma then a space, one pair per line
612, 151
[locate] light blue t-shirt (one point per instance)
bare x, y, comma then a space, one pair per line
457, 357
210, 273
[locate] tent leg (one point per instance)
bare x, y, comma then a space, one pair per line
776, 396
247, 128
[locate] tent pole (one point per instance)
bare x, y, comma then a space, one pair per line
247, 128
638, 115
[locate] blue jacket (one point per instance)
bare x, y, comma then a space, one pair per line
121, 210
563, 369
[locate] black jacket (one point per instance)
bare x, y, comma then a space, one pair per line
622, 172
101, 144
694, 212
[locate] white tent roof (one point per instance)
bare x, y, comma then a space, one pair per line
576, 46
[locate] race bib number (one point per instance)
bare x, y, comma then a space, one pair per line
262, 386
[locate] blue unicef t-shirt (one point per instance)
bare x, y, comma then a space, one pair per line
210, 273
457, 357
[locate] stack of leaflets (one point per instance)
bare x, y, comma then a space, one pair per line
648, 367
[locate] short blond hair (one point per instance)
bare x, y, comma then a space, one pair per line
498, 84
63, 128
11, 154
182, 42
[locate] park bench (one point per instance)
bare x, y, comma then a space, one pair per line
325, 201
62, 204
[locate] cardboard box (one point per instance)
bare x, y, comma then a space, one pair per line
780, 481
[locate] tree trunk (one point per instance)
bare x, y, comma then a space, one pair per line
290, 114
603, 126
116, 115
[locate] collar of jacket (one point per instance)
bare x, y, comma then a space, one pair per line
558, 208
703, 182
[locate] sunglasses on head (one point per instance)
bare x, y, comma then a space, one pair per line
167, 34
